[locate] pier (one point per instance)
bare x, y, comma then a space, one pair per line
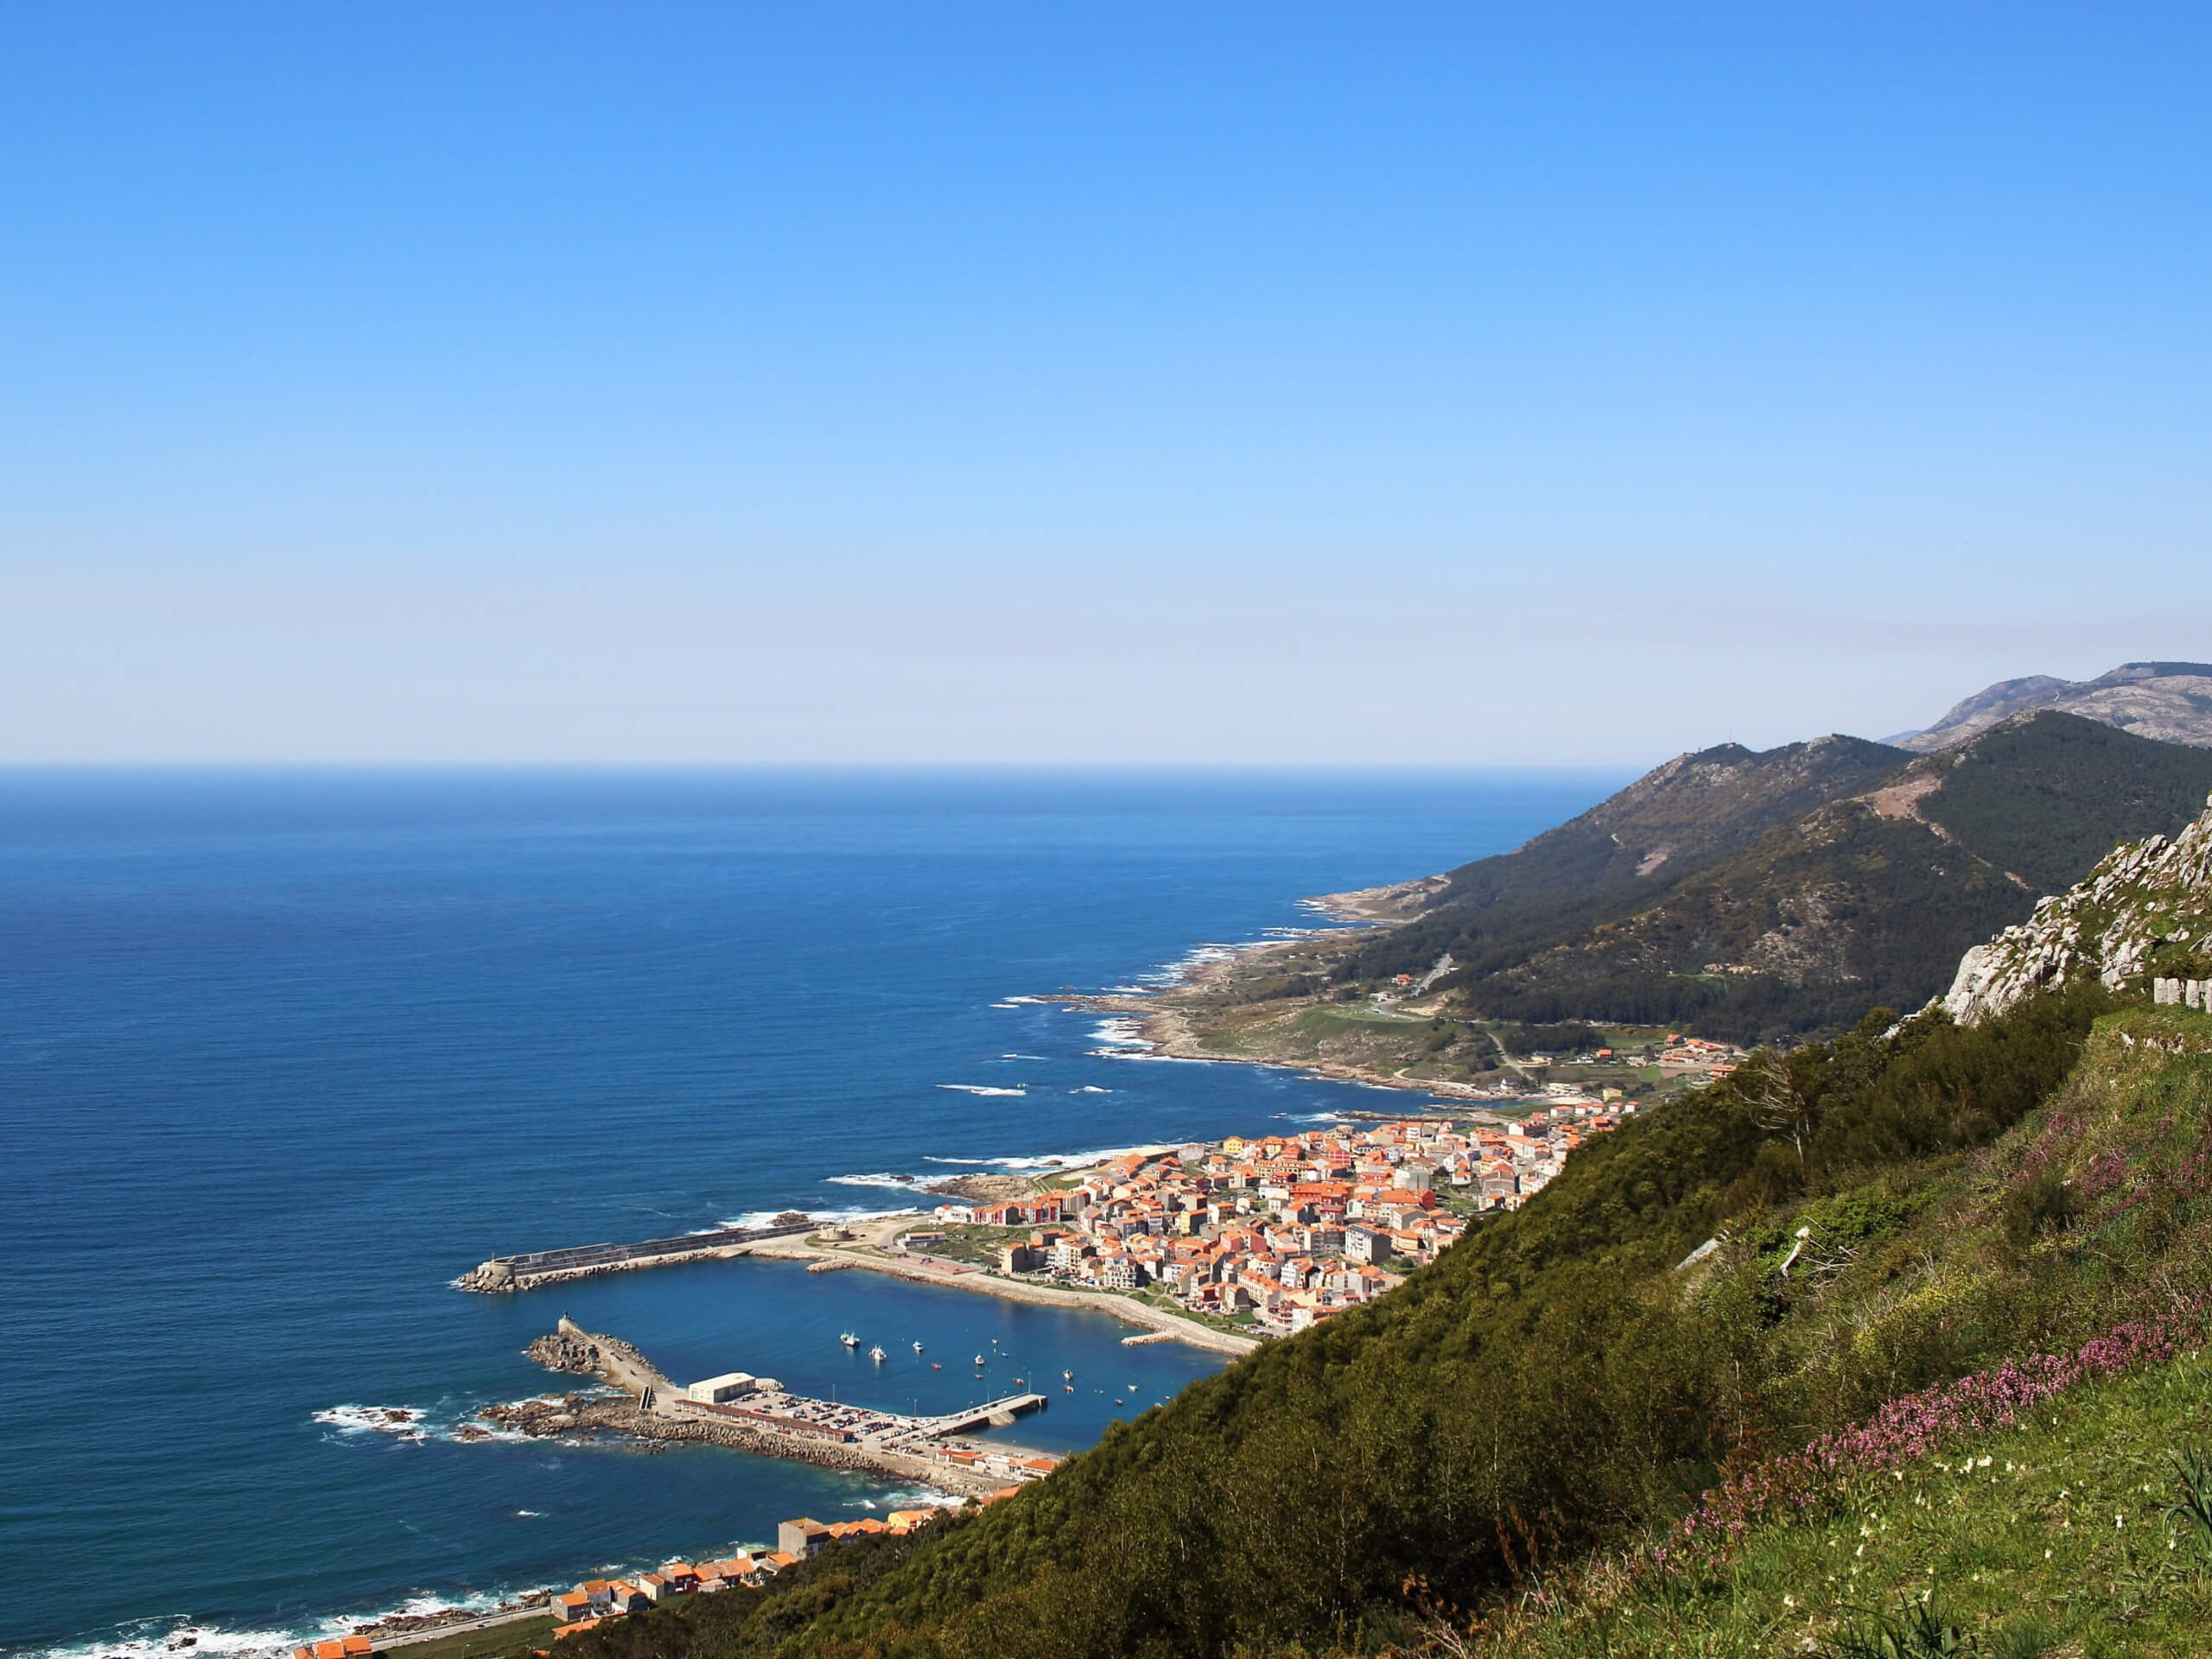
760, 1415
525, 1272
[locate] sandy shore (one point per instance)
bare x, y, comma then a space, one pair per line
878, 1259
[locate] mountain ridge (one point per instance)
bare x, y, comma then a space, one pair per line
2171, 702
1787, 924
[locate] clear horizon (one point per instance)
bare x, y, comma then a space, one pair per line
1300, 388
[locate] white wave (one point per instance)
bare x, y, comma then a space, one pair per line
1090, 1089
412, 1424
1163, 1059
921, 1497
164, 1637
820, 1217
897, 1182
1121, 1032
1010, 1005
1024, 1001
1050, 1160
1025, 1056
404, 1423
981, 1089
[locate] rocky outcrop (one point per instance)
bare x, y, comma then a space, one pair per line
564, 1352
2144, 915
2169, 701
491, 1278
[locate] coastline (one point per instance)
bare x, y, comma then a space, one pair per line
1167, 1033
1129, 1311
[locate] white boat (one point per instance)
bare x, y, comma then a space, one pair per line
979, 1359
876, 1354
1067, 1377
849, 1340
917, 1347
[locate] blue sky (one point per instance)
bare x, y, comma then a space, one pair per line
679, 384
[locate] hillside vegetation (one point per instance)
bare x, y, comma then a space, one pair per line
1862, 901
1556, 1384
1675, 820
1651, 1411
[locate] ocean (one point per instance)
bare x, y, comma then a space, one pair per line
280, 1054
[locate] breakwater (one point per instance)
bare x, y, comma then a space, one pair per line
771, 1423
509, 1273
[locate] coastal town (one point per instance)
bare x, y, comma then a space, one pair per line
595, 1600
1273, 1232
592, 1602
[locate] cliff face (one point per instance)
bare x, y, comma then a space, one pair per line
2145, 910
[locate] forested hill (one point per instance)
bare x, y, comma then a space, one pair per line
1864, 900
1615, 859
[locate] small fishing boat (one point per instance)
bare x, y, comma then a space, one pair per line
917, 1347
848, 1339
876, 1354
1067, 1377
935, 1366
979, 1359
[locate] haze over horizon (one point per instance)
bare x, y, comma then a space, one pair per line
580, 385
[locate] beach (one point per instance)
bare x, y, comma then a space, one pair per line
874, 1254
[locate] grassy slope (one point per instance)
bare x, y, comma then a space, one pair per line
2089, 1478
479, 1645
2059, 1543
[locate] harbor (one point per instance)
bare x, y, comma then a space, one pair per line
876, 1246
758, 1414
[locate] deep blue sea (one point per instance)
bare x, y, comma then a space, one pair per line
282, 1054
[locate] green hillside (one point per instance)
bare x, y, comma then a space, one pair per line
2054, 1536
1865, 901
1631, 847
1556, 1386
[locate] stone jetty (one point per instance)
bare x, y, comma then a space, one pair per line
502, 1273
771, 1421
